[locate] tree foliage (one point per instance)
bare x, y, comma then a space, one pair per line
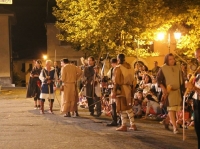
117, 26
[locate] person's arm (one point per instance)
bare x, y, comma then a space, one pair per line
63, 74
161, 82
41, 76
78, 72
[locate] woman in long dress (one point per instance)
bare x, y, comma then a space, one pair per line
34, 85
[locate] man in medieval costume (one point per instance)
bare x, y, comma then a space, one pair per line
170, 79
69, 76
92, 87
63, 62
113, 62
48, 76
123, 80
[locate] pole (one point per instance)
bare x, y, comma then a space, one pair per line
169, 40
55, 76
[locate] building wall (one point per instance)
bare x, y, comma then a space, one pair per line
4, 46
5, 71
54, 46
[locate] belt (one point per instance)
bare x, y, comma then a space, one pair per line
69, 82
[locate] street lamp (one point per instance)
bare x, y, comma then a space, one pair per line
44, 57
177, 35
161, 36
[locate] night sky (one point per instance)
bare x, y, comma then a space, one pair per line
29, 32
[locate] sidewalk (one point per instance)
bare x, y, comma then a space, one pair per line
21, 126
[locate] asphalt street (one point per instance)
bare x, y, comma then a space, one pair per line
23, 127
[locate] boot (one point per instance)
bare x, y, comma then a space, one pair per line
67, 115
114, 116
113, 123
119, 121
122, 128
114, 113
76, 112
133, 127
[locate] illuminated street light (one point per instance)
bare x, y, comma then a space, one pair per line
44, 57
177, 35
161, 36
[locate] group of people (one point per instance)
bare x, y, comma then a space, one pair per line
41, 84
163, 90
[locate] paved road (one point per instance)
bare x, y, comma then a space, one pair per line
22, 127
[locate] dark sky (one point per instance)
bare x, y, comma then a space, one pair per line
29, 32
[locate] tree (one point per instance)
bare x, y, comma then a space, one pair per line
113, 26
124, 25
191, 37
186, 19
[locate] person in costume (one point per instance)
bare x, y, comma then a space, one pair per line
90, 76
69, 75
48, 76
170, 79
123, 80
113, 62
34, 85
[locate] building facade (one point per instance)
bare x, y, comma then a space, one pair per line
6, 21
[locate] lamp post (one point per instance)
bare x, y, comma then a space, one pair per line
161, 36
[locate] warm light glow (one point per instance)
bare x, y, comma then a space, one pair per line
160, 36
177, 35
44, 57
6, 2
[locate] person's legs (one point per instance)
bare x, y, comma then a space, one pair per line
38, 97
114, 115
42, 106
75, 108
90, 106
196, 104
172, 116
124, 121
98, 105
131, 118
51, 101
38, 103
35, 102
68, 114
